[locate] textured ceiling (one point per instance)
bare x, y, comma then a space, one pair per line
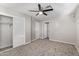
59, 9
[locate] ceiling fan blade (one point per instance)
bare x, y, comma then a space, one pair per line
33, 11
47, 10
37, 14
49, 6
39, 6
44, 13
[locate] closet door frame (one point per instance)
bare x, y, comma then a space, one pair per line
9, 24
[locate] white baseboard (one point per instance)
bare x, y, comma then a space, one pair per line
5, 46
62, 41
6, 50
27, 42
30, 41
34, 39
77, 48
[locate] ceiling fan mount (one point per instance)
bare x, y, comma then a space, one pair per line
41, 10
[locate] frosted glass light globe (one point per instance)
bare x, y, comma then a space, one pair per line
40, 13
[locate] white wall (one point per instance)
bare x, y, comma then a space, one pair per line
77, 28
63, 29
27, 29
33, 29
18, 31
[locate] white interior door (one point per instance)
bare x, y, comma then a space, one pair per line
18, 31
44, 30
37, 30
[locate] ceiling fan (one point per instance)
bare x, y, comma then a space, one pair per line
41, 10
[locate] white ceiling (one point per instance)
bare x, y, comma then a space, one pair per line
59, 9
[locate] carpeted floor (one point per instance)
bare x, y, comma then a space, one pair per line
43, 48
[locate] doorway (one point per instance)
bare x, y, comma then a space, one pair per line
45, 30
37, 30
47, 27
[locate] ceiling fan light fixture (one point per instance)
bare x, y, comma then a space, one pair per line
40, 13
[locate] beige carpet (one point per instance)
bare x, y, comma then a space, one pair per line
43, 48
